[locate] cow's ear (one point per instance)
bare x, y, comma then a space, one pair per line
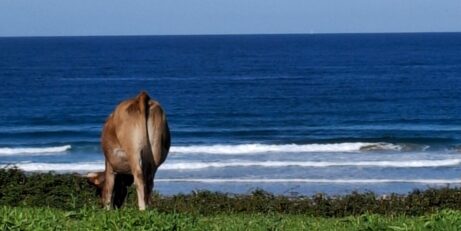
96, 178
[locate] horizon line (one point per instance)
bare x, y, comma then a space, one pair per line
226, 34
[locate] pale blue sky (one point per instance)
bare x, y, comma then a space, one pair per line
152, 17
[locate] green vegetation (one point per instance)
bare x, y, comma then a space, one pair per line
130, 219
44, 201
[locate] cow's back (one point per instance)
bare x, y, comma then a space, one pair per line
137, 126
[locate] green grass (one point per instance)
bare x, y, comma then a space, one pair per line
48, 201
19, 218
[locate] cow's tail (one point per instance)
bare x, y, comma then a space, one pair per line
143, 104
158, 132
143, 107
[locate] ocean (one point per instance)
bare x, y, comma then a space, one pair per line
290, 114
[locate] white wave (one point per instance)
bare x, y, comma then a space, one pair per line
33, 150
313, 164
285, 148
306, 181
99, 166
58, 167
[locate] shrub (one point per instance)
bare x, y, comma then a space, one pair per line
71, 191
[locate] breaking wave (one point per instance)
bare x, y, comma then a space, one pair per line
33, 150
99, 166
59, 167
314, 164
285, 148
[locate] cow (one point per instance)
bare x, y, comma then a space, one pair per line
135, 140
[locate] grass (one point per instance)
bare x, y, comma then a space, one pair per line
20, 218
47, 201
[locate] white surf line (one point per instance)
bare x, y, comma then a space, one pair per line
60, 167
327, 181
318, 164
99, 165
33, 150
285, 148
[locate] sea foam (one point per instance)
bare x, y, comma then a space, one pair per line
313, 164
99, 166
34, 150
59, 167
285, 148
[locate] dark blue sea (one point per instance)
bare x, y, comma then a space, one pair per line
291, 114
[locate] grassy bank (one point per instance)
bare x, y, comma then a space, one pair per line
66, 201
131, 219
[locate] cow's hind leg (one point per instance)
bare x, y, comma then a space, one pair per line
149, 187
139, 181
108, 186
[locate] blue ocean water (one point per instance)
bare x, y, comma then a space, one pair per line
291, 114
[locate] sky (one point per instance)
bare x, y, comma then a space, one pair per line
179, 17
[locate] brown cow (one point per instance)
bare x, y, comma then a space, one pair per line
135, 140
